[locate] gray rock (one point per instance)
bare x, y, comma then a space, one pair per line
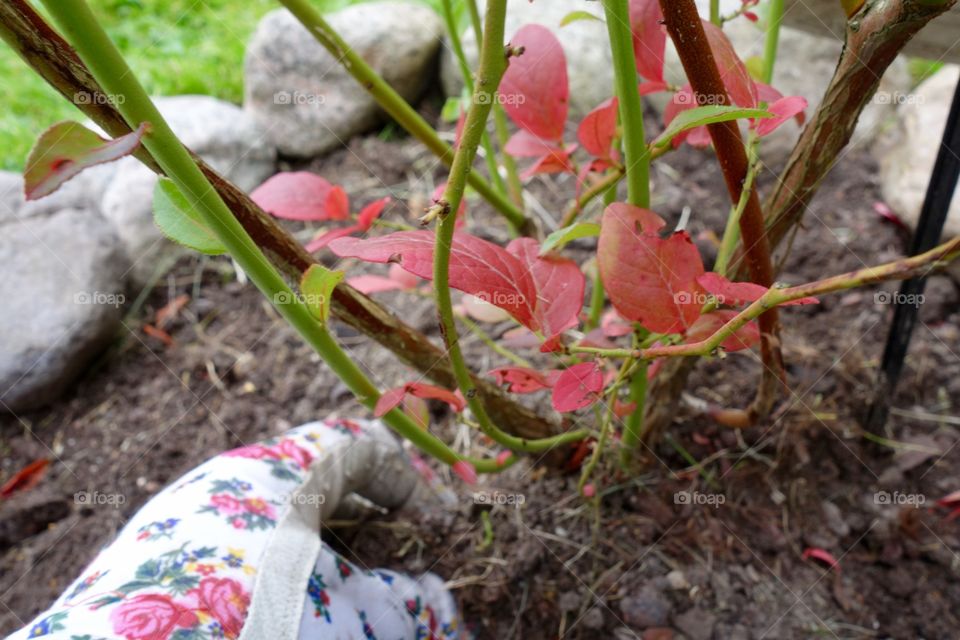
80, 192
224, 135
306, 101
696, 623
589, 69
907, 149
648, 608
63, 295
219, 132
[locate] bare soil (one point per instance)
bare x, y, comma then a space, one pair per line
728, 564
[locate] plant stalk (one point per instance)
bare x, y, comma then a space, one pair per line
684, 26
637, 155
111, 71
772, 41
493, 63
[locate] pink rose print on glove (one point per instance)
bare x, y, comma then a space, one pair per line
225, 600
150, 617
290, 449
255, 452
260, 507
226, 504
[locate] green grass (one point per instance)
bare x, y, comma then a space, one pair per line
174, 47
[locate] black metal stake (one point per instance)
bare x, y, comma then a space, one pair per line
933, 215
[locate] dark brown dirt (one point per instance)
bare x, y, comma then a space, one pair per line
646, 565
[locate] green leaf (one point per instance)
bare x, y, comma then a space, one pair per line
755, 66
559, 238
575, 16
66, 149
180, 222
451, 109
316, 287
709, 114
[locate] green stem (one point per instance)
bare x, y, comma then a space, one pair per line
731, 233
108, 67
514, 185
492, 65
637, 155
489, 154
398, 109
633, 427
773, 38
715, 12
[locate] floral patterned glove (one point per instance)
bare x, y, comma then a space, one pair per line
232, 550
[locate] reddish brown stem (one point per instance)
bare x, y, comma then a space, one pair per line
686, 30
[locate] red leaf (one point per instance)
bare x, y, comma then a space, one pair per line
66, 149
389, 400
520, 379
649, 38
430, 392
371, 212
326, 237
598, 129
25, 479
392, 398
476, 266
950, 499
823, 556
708, 324
560, 285
337, 204
733, 72
300, 195
373, 284
557, 161
885, 212
524, 144
646, 88
784, 109
577, 387
735, 294
614, 326
650, 280
466, 471
534, 90
159, 334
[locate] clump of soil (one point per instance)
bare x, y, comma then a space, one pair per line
712, 550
